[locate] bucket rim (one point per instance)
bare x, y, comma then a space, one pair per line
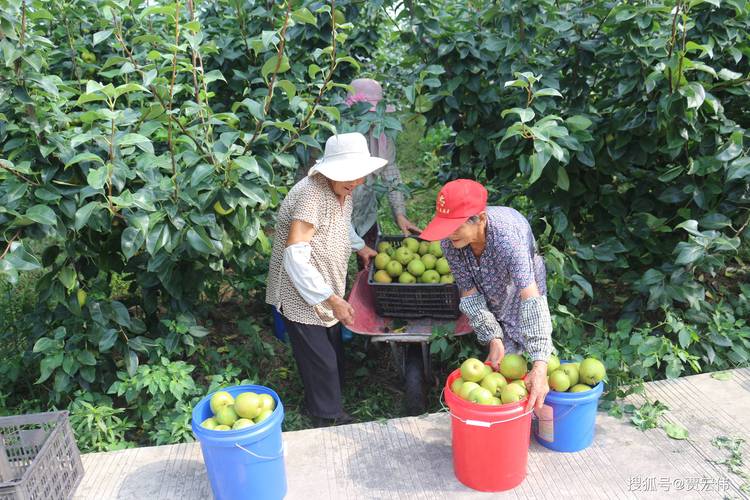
233, 436
505, 409
571, 397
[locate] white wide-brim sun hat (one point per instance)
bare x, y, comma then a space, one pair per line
347, 158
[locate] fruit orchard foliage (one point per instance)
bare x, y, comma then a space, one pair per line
624, 126
122, 124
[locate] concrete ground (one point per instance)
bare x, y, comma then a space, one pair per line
410, 458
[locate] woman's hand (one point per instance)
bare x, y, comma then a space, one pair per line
342, 310
497, 352
407, 227
366, 253
536, 384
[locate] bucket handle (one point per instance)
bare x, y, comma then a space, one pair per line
282, 452
557, 417
479, 423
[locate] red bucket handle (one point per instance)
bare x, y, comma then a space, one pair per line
479, 423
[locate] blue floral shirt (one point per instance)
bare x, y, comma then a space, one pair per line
508, 264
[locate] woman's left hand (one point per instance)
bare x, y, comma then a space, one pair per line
366, 253
536, 384
407, 227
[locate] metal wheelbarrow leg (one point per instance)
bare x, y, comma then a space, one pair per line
409, 340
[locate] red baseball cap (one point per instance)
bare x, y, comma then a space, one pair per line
456, 202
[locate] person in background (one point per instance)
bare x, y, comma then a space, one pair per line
365, 212
501, 277
307, 272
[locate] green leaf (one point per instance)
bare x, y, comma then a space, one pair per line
157, 238
84, 213
584, 284
97, 177
214, 75
20, 260
547, 92
578, 122
120, 313
86, 358
67, 277
128, 88
270, 66
675, 431
48, 365
525, 114
131, 363
726, 74
723, 375
538, 162
563, 182
83, 157
332, 112
46, 345
730, 152
100, 36
149, 76
108, 340
304, 16
288, 87
200, 244
136, 139
689, 254
198, 331
695, 94
739, 169
255, 108
131, 241
42, 214
248, 164
200, 173
423, 104
684, 338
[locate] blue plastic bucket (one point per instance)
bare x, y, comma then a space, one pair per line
567, 420
279, 330
245, 463
346, 334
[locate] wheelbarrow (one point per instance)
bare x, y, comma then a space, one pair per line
409, 340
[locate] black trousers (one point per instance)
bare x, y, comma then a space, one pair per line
319, 354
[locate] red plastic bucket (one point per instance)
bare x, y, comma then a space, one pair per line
490, 443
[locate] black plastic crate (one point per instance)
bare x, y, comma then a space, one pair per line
413, 300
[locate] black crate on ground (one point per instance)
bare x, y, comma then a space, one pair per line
417, 300
39, 458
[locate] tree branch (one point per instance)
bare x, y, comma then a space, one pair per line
272, 81
10, 242
170, 144
20, 175
306, 120
673, 40
152, 89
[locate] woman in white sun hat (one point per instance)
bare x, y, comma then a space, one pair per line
307, 273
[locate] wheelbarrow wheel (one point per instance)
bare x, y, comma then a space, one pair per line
414, 391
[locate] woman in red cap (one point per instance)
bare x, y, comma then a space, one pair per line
502, 279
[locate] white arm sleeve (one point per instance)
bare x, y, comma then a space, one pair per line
305, 278
355, 240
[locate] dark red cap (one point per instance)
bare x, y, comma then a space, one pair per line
456, 202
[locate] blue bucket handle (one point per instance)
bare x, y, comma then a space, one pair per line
282, 452
554, 419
